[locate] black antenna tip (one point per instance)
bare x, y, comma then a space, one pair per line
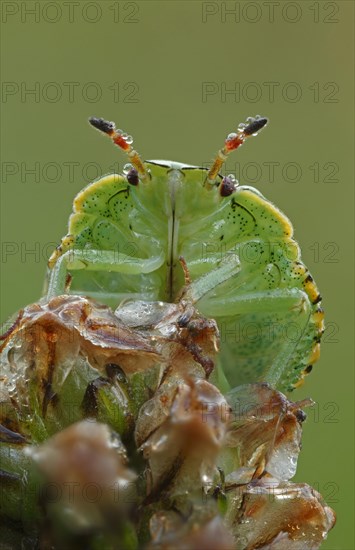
101, 124
255, 125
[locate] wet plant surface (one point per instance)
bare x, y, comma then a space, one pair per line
114, 434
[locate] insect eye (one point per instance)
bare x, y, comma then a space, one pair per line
300, 415
132, 176
228, 186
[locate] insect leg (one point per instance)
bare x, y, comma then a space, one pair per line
263, 333
228, 268
97, 260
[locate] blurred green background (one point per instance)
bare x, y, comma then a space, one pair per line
179, 76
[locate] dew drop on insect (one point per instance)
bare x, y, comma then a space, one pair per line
127, 168
124, 136
241, 126
257, 117
231, 136
119, 131
129, 140
232, 178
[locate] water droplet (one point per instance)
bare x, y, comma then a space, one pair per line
241, 126
149, 408
231, 136
257, 117
129, 139
127, 167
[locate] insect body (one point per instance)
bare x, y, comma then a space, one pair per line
130, 236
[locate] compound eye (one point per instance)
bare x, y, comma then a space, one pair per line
300, 415
132, 176
228, 186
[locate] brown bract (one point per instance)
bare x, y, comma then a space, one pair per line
170, 530
266, 428
54, 339
65, 318
85, 468
182, 438
288, 516
177, 329
143, 371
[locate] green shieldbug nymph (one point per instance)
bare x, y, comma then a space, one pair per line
134, 236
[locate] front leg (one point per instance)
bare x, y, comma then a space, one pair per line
106, 261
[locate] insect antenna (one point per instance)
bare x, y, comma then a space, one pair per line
124, 141
250, 128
